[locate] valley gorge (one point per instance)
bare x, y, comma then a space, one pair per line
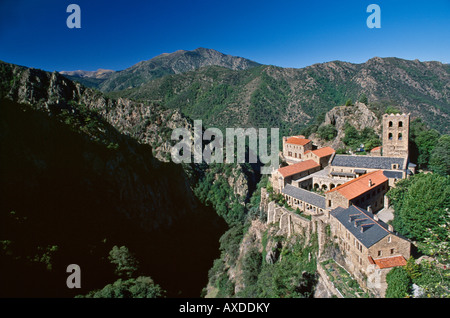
86, 167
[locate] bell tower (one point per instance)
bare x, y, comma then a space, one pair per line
396, 135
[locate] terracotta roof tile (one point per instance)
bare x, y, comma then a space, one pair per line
298, 141
376, 149
324, 152
358, 186
388, 262
298, 167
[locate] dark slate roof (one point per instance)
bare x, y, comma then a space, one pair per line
374, 231
368, 162
393, 174
304, 195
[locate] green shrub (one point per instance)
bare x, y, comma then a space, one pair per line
399, 283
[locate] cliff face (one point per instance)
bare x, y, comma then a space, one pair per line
358, 115
148, 123
74, 183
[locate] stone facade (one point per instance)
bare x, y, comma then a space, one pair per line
370, 197
295, 147
395, 135
369, 258
321, 156
280, 178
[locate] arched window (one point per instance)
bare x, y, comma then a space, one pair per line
400, 124
400, 136
390, 136
390, 124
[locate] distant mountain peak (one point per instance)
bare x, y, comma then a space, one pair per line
178, 62
99, 74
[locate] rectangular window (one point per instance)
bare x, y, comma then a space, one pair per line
379, 253
392, 251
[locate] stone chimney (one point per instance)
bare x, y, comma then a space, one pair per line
390, 228
375, 217
369, 209
370, 183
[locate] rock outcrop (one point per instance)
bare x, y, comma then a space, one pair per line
358, 115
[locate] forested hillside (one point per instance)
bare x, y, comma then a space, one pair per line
291, 99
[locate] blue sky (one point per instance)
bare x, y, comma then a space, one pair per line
289, 33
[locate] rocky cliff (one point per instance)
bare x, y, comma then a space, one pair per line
358, 115
75, 182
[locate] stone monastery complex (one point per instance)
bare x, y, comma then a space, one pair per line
346, 192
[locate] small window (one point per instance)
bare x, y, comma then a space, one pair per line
390, 136
400, 136
400, 124
389, 239
392, 251
390, 124
379, 253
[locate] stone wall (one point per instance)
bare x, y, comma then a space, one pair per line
291, 223
390, 245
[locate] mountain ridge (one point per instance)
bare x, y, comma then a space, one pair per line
98, 74
164, 64
291, 99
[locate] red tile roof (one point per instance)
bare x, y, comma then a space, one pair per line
297, 140
323, 152
360, 185
376, 149
298, 167
388, 262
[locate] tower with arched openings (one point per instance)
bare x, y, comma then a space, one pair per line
396, 135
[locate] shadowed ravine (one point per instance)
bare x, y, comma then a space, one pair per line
59, 188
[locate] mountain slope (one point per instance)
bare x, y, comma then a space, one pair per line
168, 63
269, 96
88, 78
